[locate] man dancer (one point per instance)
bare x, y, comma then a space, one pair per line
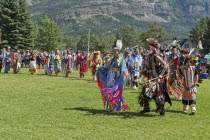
155, 87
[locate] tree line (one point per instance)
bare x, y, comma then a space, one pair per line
18, 30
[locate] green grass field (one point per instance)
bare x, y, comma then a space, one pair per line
57, 108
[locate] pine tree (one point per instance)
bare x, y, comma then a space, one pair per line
8, 24
15, 24
25, 26
35, 42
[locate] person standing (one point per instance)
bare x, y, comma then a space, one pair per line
39, 60
191, 79
32, 64
7, 60
173, 61
83, 64
76, 63
69, 63
137, 58
51, 63
1, 63
45, 61
155, 86
110, 78
57, 63
22, 55
16, 62
64, 62
94, 63
27, 59
129, 64
3, 55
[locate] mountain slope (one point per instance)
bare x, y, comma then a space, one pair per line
178, 16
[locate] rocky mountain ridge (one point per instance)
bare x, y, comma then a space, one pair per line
183, 12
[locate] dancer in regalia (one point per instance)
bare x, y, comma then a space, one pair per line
110, 80
94, 63
57, 63
51, 63
64, 62
83, 64
129, 64
69, 63
190, 81
135, 76
32, 65
106, 58
45, 62
155, 86
16, 62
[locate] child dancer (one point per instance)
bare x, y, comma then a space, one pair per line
191, 79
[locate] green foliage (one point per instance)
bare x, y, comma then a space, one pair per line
107, 43
8, 23
129, 36
95, 43
70, 43
15, 24
103, 43
49, 107
180, 20
202, 32
25, 23
35, 32
83, 43
154, 30
49, 35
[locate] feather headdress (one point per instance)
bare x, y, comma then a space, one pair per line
118, 45
200, 46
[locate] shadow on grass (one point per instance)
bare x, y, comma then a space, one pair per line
174, 111
135, 92
77, 79
125, 115
176, 100
73, 77
91, 81
62, 76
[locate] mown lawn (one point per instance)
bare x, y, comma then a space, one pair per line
49, 107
